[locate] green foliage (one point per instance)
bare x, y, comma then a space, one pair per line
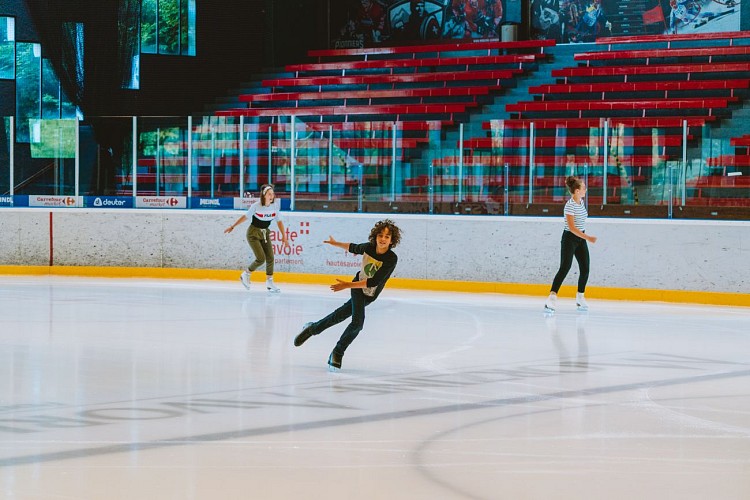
7, 60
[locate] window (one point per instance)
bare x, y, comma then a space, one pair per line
38, 91
28, 84
7, 48
168, 27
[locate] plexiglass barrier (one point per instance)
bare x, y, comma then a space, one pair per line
496, 167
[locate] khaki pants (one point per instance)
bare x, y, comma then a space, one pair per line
260, 242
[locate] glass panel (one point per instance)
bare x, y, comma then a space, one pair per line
148, 26
129, 43
216, 157
5, 134
280, 158
73, 52
106, 158
562, 151
162, 156
54, 142
169, 27
717, 173
639, 159
255, 156
7, 48
28, 82
312, 143
509, 158
187, 27
413, 175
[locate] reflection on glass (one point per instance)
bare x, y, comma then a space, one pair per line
5, 138
169, 27
129, 43
50, 91
495, 173
53, 138
162, 157
28, 81
187, 27
148, 26
7, 48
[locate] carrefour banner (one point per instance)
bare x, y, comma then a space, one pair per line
54, 201
580, 21
161, 202
244, 203
108, 201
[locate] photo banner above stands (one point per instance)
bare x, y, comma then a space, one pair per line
580, 21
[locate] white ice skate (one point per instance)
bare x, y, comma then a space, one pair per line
245, 279
581, 303
550, 304
271, 287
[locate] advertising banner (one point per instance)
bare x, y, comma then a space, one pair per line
108, 201
213, 203
54, 201
161, 202
583, 21
244, 203
366, 23
7, 201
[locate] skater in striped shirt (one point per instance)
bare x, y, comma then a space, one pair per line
573, 244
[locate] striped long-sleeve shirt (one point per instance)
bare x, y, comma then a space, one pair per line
579, 213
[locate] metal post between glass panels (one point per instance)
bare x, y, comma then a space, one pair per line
531, 163
270, 153
460, 179
506, 180
213, 157
189, 166
12, 152
683, 176
393, 162
586, 182
431, 190
330, 162
360, 190
241, 144
158, 161
604, 168
670, 169
293, 160
77, 164
135, 156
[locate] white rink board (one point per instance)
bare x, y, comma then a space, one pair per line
692, 255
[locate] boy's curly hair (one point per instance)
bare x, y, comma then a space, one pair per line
392, 228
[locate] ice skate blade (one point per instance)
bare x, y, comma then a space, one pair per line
333, 369
548, 311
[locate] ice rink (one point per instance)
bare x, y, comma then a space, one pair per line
131, 388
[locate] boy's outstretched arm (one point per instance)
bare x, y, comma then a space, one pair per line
340, 244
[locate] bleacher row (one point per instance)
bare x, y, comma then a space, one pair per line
643, 88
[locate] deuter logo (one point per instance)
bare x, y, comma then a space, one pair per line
98, 202
209, 203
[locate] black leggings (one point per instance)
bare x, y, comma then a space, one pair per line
570, 246
354, 308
